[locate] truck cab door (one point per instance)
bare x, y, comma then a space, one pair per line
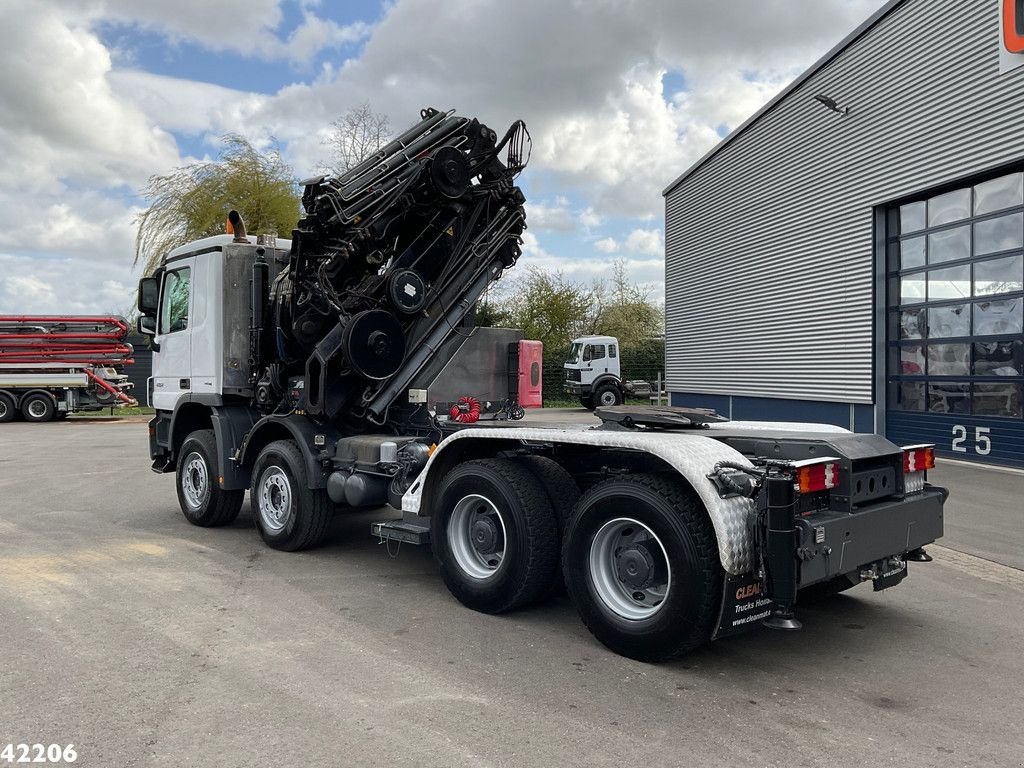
172, 364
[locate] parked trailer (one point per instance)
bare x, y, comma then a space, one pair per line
51, 366
289, 370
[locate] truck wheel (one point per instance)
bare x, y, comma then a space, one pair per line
587, 402
7, 408
202, 500
38, 408
494, 535
641, 564
607, 395
289, 514
558, 484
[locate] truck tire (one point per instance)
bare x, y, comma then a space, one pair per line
289, 515
607, 395
38, 408
8, 409
641, 564
494, 535
202, 500
559, 485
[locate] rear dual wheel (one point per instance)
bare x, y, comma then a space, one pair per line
495, 535
641, 564
8, 410
38, 408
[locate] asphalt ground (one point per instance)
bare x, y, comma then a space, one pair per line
147, 642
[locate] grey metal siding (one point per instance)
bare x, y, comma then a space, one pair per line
769, 243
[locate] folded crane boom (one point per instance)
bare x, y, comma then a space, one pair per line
387, 262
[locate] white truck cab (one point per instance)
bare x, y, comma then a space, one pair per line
198, 351
592, 371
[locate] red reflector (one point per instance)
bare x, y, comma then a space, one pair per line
817, 477
918, 459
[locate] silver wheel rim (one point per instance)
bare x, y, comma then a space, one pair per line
608, 397
476, 537
37, 409
274, 499
3, 409
629, 569
195, 481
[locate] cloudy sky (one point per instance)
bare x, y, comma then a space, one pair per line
619, 95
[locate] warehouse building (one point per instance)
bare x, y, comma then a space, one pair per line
852, 254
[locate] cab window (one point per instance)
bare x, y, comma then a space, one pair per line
174, 302
612, 351
597, 352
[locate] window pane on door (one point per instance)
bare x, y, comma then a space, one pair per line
997, 317
949, 359
999, 276
949, 283
950, 207
998, 399
945, 322
949, 397
912, 252
995, 195
949, 245
999, 358
912, 217
912, 324
912, 288
1001, 234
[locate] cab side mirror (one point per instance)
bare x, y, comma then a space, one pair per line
149, 297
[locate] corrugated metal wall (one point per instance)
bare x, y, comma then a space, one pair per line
770, 280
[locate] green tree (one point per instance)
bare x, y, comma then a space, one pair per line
194, 201
546, 306
623, 309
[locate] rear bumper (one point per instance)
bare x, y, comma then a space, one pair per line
836, 543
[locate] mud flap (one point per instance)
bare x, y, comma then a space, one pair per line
744, 605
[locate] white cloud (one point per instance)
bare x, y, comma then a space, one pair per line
556, 217
81, 128
247, 27
646, 241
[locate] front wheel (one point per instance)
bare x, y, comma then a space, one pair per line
202, 500
641, 564
494, 535
289, 514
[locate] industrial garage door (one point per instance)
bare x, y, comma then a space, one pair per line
955, 349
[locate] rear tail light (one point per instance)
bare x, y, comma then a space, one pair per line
918, 458
822, 475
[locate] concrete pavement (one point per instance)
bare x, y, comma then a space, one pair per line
148, 642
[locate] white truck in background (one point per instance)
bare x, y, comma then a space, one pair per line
593, 373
